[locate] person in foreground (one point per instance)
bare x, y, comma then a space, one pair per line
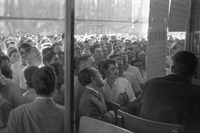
42, 115
92, 103
174, 99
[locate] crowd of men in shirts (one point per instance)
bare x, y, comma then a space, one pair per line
106, 68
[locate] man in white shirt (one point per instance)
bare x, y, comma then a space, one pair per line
33, 58
126, 75
116, 87
18, 66
129, 68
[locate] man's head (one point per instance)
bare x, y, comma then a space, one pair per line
44, 81
22, 49
109, 47
127, 43
137, 63
90, 76
118, 46
33, 56
84, 61
130, 53
104, 39
140, 55
184, 64
110, 68
118, 59
50, 58
123, 55
4, 60
97, 52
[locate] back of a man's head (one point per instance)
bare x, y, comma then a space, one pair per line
80, 62
86, 75
184, 63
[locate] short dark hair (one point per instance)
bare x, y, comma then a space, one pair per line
24, 45
6, 71
48, 56
129, 48
28, 73
93, 47
4, 57
46, 50
44, 80
184, 63
135, 61
113, 56
107, 62
85, 76
11, 51
80, 59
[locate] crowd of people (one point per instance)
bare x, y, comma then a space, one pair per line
106, 68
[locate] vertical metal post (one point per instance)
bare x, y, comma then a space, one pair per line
69, 78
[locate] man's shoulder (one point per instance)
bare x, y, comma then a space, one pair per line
16, 63
132, 67
87, 96
10, 83
122, 80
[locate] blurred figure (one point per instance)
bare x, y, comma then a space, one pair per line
87, 45
109, 49
96, 52
174, 98
118, 46
127, 43
58, 94
77, 50
61, 56
105, 52
104, 39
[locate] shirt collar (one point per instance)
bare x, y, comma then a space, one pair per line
115, 83
92, 90
38, 97
124, 73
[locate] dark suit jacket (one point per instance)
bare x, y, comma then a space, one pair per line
39, 116
172, 99
91, 105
